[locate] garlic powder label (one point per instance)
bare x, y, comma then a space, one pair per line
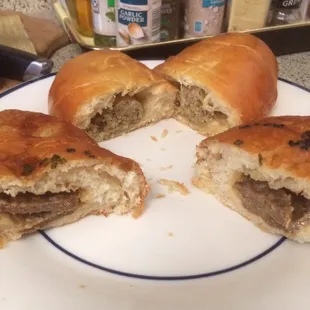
138, 21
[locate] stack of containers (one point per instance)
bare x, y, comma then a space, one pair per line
122, 23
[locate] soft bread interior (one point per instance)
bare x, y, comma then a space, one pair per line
199, 108
111, 115
64, 195
271, 199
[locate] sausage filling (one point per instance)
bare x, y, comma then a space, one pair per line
36, 210
281, 209
126, 110
197, 106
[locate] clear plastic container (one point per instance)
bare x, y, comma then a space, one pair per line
203, 17
285, 12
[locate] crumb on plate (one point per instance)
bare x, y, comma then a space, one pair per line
164, 133
170, 234
160, 196
174, 186
166, 168
154, 138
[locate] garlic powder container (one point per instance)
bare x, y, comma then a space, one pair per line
203, 17
138, 22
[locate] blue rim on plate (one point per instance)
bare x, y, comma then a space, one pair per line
163, 278
149, 277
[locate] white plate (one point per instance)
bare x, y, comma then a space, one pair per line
185, 252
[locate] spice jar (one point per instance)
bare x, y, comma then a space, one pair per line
203, 17
138, 22
170, 20
104, 22
285, 12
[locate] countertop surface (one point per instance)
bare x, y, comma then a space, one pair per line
294, 67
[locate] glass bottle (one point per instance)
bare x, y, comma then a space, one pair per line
170, 20
285, 12
80, 13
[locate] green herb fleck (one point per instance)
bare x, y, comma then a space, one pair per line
58, 159
89, 154
54, 165
244, 126
71, 150
278, 125
44, 162
27, 169
55, 158
110, 15
260, 159
238, 142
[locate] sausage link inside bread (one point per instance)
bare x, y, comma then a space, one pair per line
110, 94
52, 174
261, 170
223, 81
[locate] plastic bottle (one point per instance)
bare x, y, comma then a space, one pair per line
203, 17
138, 22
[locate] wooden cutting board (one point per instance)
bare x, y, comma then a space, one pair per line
35, 35
46, 36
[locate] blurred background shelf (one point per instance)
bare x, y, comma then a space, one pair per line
283, 39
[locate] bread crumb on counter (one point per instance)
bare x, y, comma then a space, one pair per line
163, 149
166, 168
170, 234
154, 138
164, 133
159, 196
174, 186
179, 131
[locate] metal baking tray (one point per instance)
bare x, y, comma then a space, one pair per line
282, 40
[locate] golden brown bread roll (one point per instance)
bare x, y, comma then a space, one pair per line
107, 94
262, 171
224, 81
52, 173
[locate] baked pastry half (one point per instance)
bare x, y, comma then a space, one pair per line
262, 171
52, 174
224, 81
107, 94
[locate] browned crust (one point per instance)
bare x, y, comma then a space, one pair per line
95, 74
269, 139
239, 69
28, 138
